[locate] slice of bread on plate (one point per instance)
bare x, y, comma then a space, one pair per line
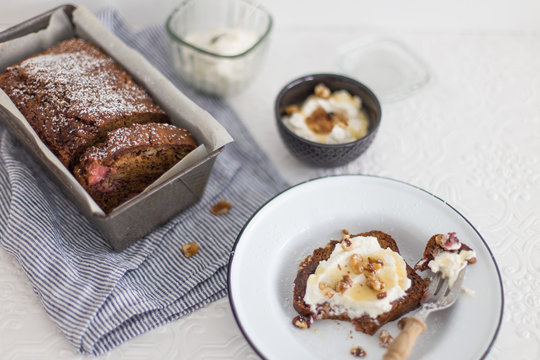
361, 279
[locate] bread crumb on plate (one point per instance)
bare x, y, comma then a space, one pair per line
358, 351
385, 339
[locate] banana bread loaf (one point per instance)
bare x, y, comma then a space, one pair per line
73, 94
129, 160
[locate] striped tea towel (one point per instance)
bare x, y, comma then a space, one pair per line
99, 298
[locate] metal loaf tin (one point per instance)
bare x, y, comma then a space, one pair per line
137, 217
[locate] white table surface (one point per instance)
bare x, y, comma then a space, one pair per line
471, 136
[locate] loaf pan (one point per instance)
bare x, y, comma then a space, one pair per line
138, 216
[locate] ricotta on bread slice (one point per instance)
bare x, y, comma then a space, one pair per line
361, 279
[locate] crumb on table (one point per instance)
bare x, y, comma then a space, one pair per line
222, 207
190, 249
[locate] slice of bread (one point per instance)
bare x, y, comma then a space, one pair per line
129, 160
365, 323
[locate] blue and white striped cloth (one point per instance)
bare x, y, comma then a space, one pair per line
99, 298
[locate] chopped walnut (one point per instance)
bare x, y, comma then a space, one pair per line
401, 323
190, 249
358, 351
373, 267
448, 242
322, 91
345, 232
328, 293
345, 283
381, 295
472, 260
322, 311
385, 338
356, 263
326, 290
222, 207
319, 121
301, 322
373, 282
323, 285
346, 244
291, 109
375, 261
340, 119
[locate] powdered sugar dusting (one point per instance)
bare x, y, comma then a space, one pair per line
72, 93
140, 135
87, 89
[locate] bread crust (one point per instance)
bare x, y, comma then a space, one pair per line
365, 323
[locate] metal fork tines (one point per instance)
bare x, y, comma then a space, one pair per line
439, 295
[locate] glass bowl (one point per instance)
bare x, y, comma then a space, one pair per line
388, 67
218, 46
326, 155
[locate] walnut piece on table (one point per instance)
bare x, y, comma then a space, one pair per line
190, 249
222, 207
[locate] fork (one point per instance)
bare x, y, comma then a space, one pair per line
438, 296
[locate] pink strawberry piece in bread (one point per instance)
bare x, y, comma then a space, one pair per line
98, 173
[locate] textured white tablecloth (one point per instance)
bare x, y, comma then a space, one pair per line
471, 136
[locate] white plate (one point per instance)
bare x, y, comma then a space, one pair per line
281, 233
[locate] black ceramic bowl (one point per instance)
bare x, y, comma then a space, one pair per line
326, 155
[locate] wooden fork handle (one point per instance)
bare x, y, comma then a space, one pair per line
401, 347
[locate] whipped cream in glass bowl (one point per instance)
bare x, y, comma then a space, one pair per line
218, 46
327, 120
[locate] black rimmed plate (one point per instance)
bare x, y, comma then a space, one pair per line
282, 232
